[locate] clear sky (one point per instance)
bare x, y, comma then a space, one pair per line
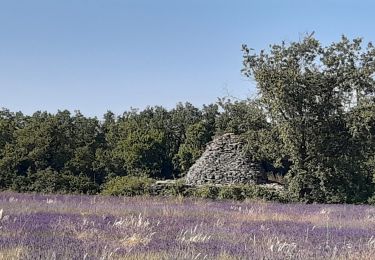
99, 55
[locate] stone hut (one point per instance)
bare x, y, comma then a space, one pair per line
224, 162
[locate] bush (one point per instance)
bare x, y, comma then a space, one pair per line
231, 192
371, 200
128, 186
235, 192
206, 192
50, 181
178, 188
133, 186
79, 184
264, 193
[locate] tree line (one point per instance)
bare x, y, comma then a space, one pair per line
67, 152
312, 123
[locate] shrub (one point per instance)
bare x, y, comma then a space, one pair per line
50, 181
177, 188
236, 192
231, 192
78, 184
206, 192
371, 200
134, 186
128, 186
264, 193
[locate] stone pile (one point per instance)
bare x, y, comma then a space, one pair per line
224, 162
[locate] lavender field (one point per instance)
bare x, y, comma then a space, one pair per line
95, 227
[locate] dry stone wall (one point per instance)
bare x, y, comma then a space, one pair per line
224, 162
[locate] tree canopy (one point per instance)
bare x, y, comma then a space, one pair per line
312, 95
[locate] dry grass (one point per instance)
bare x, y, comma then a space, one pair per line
11, 254
188, 229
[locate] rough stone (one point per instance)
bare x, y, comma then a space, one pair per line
224, 162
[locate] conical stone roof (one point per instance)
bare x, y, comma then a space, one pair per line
224, 162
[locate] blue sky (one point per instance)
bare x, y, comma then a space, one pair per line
99, 55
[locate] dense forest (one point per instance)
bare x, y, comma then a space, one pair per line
313, 123
73, 153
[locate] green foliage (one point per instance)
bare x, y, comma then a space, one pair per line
127, 186
139, 143
239, 193
178, 188
231, 192
314, 97
267, 194
49, 181
239, 117
197, 136
371, 200
141, 149
206, 192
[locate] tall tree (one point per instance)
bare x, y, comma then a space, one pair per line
306, 91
